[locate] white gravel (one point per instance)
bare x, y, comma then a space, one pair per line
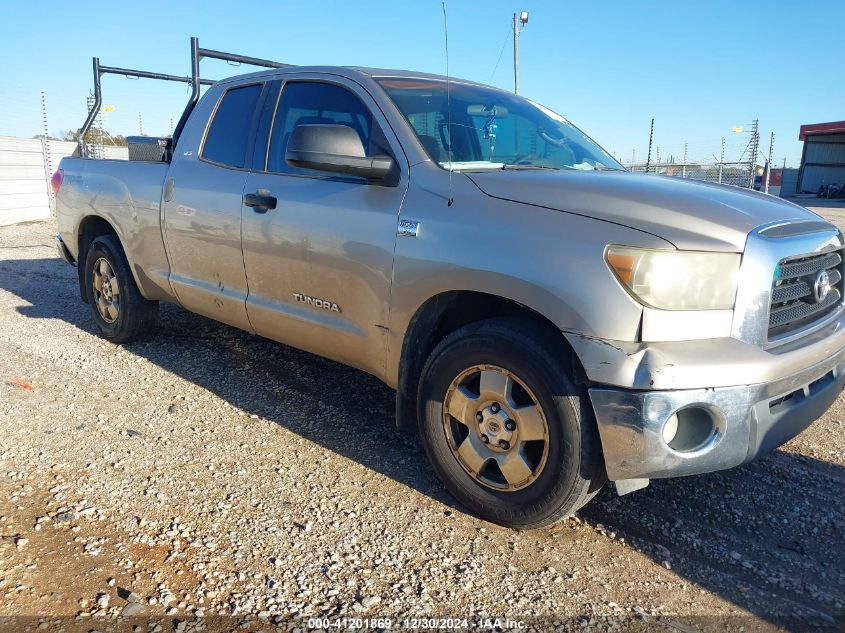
209, 472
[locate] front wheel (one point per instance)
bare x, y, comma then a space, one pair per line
121, 313
505, 427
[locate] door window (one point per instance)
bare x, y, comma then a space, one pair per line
311, 102
228, 134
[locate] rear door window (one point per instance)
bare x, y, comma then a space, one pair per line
228, 134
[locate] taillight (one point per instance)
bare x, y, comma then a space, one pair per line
56, 181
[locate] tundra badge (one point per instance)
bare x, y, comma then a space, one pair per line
317, 303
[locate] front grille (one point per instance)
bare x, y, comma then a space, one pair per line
794, 303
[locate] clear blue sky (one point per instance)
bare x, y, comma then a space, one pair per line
698, 68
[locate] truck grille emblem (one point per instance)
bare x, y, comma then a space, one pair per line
822, 286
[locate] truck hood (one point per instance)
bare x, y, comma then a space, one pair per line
690, 214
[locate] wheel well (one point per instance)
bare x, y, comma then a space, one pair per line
90, 229
443, 314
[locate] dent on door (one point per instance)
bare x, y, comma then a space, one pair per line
203, 228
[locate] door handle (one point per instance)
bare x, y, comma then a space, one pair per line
261, 201
168, 190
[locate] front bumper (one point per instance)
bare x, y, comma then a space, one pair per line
747, 421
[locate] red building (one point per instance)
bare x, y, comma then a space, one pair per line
823, 158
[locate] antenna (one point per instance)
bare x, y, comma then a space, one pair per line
450, 199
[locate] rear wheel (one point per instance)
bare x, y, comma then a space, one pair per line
121, 313
507, 430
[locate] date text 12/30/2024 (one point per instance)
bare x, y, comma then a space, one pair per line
483, 624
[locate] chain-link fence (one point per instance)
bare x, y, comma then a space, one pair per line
731, 160
737, 174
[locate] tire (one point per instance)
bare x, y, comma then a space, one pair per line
121, 313
543, 485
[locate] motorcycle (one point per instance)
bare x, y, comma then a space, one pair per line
831, 190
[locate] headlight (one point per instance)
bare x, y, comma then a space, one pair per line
676, 280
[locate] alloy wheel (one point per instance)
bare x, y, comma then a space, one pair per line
496, 428
106, 290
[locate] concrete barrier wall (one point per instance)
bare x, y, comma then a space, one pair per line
26, 165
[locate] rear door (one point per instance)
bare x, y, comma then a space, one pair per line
320, 263
202, 208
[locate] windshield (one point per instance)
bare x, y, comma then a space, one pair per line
491, 128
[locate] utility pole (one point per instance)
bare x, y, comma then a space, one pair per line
515, 57
684, 168
755, 143
94, 143
769, 161
650, 138
140, 125
45, 152
517, 18
721, 160
87, 143
44, 127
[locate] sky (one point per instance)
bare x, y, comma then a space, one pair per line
700, 69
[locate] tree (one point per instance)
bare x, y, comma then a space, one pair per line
93, 136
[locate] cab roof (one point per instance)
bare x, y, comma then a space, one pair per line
351, 72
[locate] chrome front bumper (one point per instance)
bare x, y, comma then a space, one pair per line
749, 420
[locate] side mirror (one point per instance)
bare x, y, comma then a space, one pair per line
334, 148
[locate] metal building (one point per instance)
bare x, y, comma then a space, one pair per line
823, 158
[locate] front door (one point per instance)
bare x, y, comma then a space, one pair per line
319, 265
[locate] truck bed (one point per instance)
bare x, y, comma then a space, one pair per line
128, 195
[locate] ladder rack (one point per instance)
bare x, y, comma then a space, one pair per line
194, 80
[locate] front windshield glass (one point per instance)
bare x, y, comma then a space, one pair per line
491, 128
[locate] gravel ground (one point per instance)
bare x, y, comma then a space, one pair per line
207, 472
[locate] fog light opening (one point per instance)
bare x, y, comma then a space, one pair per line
689, 429
670, 429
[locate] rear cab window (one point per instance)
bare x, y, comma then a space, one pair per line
228, 135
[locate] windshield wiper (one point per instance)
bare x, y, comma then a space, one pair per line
517, 166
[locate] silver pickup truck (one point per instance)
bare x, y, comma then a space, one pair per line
549, 320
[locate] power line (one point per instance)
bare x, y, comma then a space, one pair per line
501, 52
